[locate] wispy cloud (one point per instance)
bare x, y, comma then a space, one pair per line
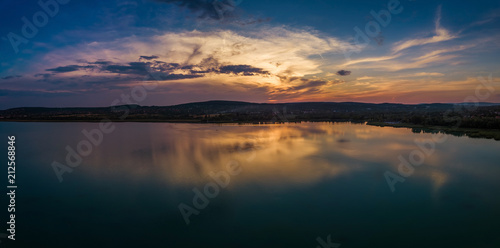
440, 34
443, 51
364, 78
429, 52
371, 59
488, 18
407, 63
66, 68
11, 77
425, 74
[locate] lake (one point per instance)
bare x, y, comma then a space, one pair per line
281, 185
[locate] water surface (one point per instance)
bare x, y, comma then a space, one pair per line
297, 182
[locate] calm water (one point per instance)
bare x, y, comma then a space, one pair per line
292, 184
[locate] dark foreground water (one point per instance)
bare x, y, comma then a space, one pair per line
290, 185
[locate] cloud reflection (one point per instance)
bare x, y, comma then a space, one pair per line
270, 155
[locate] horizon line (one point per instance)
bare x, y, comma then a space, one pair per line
272, 103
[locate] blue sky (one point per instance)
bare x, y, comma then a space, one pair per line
91, 52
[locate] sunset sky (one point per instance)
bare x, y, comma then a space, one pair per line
90, 53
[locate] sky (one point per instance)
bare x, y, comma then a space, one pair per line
69, 53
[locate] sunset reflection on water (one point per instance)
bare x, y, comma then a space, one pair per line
297, 181
271, 154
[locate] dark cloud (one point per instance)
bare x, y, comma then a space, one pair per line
22, 93
245, 70
62, 69
44, 75
155, 70
132, 68
136, 68
209, 63
69, 68
208, 9
100, 62
196, 52
149, 57
344, 73
10, 77
310, 85
186, 67
163, 76
101, 85
379, 39
253, 21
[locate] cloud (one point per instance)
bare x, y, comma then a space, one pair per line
45, 77
315, 83
245, 70
252, 59
426, 74
441, 34
159, 70
11, 77
22, 93
220, 11
408, 63
402, 61
441, 51
149, 57
100, 62
344, 73
278, 51
68, 68
168, 77
208, 9
298, 84
418, 74
371, 59
364, 78
493, 15
135, 68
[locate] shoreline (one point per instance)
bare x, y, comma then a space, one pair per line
469, 132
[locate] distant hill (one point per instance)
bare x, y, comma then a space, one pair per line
220, 107
486, 115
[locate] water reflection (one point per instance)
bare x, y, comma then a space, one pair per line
299, 181
184, 154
